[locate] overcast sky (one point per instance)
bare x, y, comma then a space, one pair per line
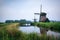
25, 9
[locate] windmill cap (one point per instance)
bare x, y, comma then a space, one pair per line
43, 14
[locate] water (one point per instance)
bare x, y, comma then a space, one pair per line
30, 29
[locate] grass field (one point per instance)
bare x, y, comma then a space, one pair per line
9, 31
55, 26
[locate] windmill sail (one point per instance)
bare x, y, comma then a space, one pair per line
40, 11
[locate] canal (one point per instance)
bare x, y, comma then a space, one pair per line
35, 29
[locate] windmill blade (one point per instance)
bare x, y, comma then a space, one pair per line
37, 13
40, 12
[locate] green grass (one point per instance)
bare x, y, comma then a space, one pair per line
23, 36
55, 26
11, 32
3, 24
50, 25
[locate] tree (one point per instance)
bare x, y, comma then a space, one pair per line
9, 21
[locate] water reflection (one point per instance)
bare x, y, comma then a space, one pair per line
29, 29
35, 29
52, 33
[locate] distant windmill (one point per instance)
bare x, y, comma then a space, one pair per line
38, 13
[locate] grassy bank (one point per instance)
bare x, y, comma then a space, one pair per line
23, 36
55, 26
10, 32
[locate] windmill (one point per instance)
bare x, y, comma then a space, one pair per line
38, 14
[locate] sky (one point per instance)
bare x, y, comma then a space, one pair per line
25, 9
